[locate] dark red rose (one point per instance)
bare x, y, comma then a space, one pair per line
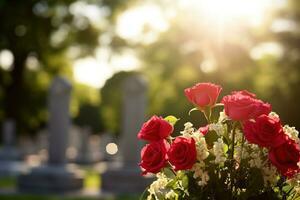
285, 157
155, 129
154, 156
242, 105
182, 153
265, 131
203, 95
204, 130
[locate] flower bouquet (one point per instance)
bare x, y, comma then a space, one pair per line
244, 152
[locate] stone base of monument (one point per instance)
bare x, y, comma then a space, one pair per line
9, 153
51, 179
11, 168
119, 179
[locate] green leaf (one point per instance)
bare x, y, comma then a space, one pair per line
211, 137
185, 181
192, 110
225, 148
168, 172
171, 119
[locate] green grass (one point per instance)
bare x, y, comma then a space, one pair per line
39, 197
7, 182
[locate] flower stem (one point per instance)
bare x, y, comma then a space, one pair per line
232, 158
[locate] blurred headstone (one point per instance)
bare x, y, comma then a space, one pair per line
105, 139
9, 155
9, 151
56, 176
124, 175
84, 153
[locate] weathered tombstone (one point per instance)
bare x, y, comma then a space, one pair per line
105, 139
124, 176
84, 154
9, 155
9, 151
56, 176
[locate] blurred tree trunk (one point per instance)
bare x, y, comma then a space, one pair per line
14, 90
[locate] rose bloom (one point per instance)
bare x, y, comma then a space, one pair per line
155, 129
203, 94
182, 153
242, 105
285, 157
204, 130
265, 131
154, 156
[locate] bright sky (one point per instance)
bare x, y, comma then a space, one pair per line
94, 71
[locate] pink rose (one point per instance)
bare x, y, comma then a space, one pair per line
203, 95
155, 129
182, 153
265, 131
243, 105
286, 157
154, 157
204, 130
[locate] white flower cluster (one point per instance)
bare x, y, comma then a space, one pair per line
218, 151
255, 157
200, 174
157, 185
171, 195
217, 127
188, 130
222, 116
241, 152
270, 175
201, 147
273, 114
292, 133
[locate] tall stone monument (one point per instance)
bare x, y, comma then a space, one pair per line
124, 175
56, 176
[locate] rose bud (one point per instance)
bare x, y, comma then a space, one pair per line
204, 130
203, 95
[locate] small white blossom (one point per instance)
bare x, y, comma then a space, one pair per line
291, 132
218, 151
222, 116
270, 175
217, 127
201, 148
273, 114
255, 160
200, 174
188, 129
158, 185
171, 195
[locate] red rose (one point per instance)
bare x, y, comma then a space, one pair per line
182, 153
265, 131
155, 129
203, 94
243, 105
285, 157
204, 130
154, 156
